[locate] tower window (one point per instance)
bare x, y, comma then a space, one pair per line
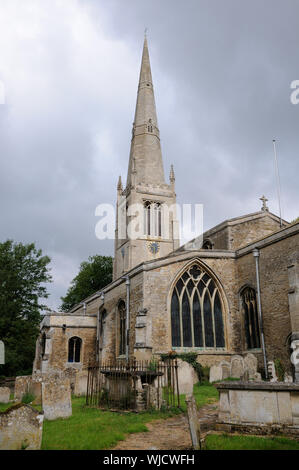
157, 220
250, 314
153, 219
147, 218
74, 349
196, 311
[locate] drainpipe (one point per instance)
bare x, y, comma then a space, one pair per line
128, 282
102, 296
256, 255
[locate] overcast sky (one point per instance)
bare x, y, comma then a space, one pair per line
222, 71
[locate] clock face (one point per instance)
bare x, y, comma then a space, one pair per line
154, 247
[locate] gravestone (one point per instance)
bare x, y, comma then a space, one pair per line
225, 366
56, 398
193, 420
22, 386
4, 394
215, 373
250, 364
237, 367
187, 377
21, 428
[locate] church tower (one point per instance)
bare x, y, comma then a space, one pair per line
146, 225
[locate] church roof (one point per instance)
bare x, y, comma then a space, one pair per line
196, 242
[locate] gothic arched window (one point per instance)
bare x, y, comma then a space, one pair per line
251, 322
43, 344
74, 349
196, 311
122, 327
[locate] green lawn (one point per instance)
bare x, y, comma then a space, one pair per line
228, 442
91, 428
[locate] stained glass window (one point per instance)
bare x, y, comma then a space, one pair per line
196, 311
251, 323
122, 327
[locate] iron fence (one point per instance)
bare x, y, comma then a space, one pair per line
133, 385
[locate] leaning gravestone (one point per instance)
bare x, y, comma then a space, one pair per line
193, 420
237, 367
56, 398
4, 394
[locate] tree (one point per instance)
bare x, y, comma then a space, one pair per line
23, 274
93, 275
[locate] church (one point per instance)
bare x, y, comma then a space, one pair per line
232, 290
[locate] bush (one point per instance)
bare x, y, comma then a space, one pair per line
28, 398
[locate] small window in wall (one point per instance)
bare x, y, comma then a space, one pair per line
122, 327
250, 315
74, 354
43, 344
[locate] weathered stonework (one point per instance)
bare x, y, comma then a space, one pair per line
56, 398
153, 275
21, 428
265, 405
4, 394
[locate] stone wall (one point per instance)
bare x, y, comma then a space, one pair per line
157, 296
21, 428
274, 282
59, 329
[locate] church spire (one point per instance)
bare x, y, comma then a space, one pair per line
145, 146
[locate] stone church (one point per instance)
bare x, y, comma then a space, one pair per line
231, 291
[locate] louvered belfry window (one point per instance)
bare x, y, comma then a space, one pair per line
196, 311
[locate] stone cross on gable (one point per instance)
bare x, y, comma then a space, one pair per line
264, 207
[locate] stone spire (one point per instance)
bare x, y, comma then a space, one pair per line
119, 185
145, 145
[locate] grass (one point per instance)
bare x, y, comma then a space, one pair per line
93, 429
228, 442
